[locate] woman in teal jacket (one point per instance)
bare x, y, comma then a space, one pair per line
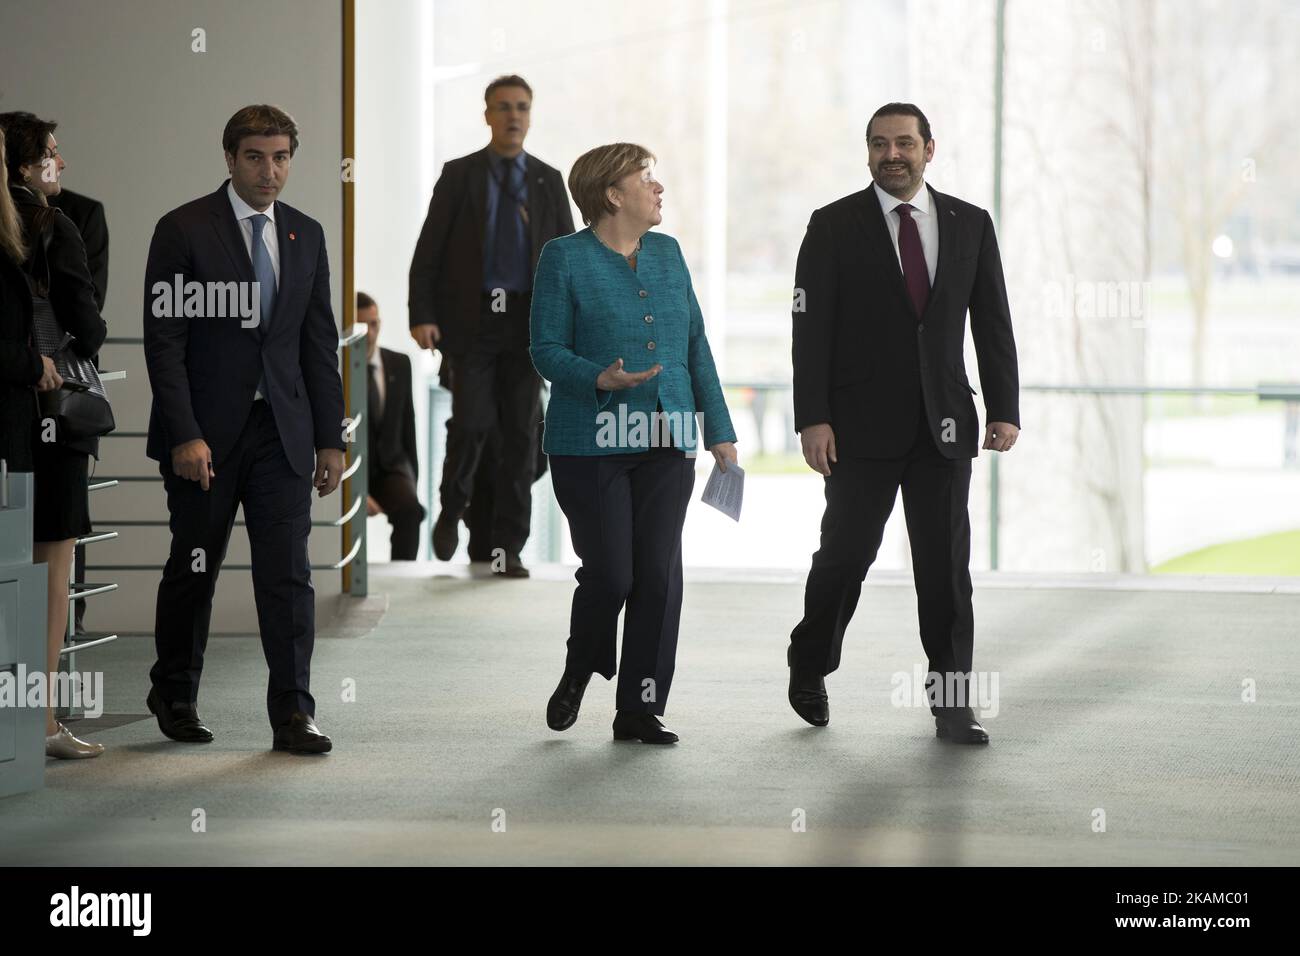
617, 331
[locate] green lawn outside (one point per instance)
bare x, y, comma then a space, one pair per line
1273, 555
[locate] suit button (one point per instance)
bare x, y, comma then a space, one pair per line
643, 293
649, 319
650, 346
920, 328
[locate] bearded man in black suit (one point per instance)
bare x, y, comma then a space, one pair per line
885, 279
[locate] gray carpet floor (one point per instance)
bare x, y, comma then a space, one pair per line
1116, 705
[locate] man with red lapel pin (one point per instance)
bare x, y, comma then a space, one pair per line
883, 284
244, 412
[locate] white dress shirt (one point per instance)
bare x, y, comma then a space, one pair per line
927, 224
244, 214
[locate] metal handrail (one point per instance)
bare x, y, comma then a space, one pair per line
92, 538
80, 590
351, 469
355, 334
353, 481
165, 522
343, 563
225, 566
83, 645
1289, 393
1284, 391
351, 513
90, 590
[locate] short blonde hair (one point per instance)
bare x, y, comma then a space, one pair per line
598, 169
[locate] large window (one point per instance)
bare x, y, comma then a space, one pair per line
1147, 217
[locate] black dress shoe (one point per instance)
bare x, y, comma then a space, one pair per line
514, 567
446, 535
960, 726
808, 697
562, 708
177, 720
647, 728
300, 736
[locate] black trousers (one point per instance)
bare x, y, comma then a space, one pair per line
396, 494
626, 514
277, 511
494, 386
482, 505
860, 495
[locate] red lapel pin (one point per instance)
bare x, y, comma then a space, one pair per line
291, 236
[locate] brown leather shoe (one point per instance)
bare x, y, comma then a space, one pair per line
301, 736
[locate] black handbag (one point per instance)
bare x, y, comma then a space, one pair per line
80, 409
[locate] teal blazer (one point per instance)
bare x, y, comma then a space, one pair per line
590, 308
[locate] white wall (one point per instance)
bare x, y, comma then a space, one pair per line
395, 172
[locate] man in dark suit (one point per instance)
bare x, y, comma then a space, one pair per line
394, 462
247, 409
470, 293
884, 281
88, 216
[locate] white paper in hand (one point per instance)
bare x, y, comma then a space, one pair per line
726, 490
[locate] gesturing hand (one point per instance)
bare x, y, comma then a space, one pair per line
819, 447
614, 378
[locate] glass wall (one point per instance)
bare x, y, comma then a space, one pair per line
1147, 215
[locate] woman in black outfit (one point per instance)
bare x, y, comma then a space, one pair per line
56, 267
23, 370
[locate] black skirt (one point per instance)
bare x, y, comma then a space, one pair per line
62, 505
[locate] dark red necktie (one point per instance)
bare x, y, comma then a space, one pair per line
915, 273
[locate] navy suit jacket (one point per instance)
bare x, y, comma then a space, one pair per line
204, 370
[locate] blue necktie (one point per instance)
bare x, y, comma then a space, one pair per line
509, 257
265, 275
